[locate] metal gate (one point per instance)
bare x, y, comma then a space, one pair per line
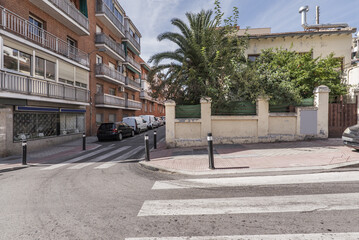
341, 116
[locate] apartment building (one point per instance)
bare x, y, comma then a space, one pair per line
44, 72
114, 47
150, 106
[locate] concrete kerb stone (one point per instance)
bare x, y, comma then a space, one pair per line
149, 166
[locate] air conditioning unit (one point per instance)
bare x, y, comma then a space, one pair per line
121, 89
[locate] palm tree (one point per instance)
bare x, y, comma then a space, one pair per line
186, 68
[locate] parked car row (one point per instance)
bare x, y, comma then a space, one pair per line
129, 127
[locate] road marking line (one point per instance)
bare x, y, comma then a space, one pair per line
309, 236
76, 159
118, 159
263, 204
99, 158
260, 180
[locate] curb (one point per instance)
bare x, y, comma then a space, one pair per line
258, 170
13, 168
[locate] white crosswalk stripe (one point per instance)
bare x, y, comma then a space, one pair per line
99, 158
313, 236
255, 181
118, 159
272, 204
55, 166
254, 205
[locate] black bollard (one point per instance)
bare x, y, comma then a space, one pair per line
210, 150
24, 152
155, 139
83, 141
147, 148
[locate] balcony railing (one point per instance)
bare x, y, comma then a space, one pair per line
145, 95
102, 38
106, 99
132, 83
133, 104
132, 61
102, 8
18, 25
133, 41
102, 69
31, 86
67, 7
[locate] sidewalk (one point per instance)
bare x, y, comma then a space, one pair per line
259, 157
51, 153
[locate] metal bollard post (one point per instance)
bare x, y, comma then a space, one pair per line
155, 139
83, 141
210, 150
24, 152
147, 148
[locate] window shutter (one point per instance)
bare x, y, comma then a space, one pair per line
66, 71
82, 76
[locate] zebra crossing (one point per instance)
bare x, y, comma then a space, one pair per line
107, 157
290, 203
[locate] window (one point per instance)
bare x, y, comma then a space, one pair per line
111, 65
72, 44
35, 27
66, 81
98, 29
80, 84
150, 107
145, 103
98, 59
17, 60
112, 118
112, 91
133, 97
44, 68
99, 88
118, 15
99, 118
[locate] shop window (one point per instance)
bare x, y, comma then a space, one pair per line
17, 60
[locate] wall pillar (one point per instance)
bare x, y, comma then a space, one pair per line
206, 118
321, 101
6, 130
263, 116
170, 109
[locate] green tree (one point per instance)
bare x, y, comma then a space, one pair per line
206, 57
286, 76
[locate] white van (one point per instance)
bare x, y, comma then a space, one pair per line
136, 123
150, 120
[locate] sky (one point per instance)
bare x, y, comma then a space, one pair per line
153, 17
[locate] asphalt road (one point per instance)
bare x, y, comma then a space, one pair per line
122, 200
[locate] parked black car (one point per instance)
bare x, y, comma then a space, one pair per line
114, 131
350, 137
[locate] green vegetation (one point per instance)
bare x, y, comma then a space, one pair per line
210, 61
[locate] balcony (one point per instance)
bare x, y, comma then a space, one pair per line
109, 101
131, 40
133, 105
111, 47
135, 65
65, 12
134, 85
145, 95
52, 91
108, 74
107, 17
12, 23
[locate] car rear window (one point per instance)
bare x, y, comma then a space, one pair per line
106, 126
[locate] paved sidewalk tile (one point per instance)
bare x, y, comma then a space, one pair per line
255, 156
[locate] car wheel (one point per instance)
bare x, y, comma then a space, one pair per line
119, 137
132, 133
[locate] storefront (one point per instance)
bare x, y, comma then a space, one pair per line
33, 123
